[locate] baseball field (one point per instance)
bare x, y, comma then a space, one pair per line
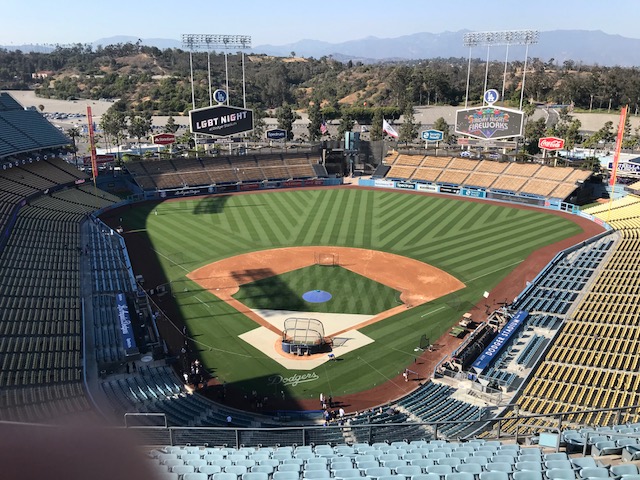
476, 243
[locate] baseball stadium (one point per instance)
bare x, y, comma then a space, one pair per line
253, 316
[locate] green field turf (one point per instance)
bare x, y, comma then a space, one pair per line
477, 243
351, 293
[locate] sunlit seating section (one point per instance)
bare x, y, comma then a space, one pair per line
512, 184
482, 180
463, 164
436, 162
491, 166
594, 362
455, 177
400, 172
522, 169
578, 176
409, 160
553, 173
542, 188
563, 190
620, 203
426, 174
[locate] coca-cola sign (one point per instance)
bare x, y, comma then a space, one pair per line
551, 143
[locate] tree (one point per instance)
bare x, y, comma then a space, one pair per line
74, 133
41, 108
259, 125
113, 124
409, 128
533, 131
442, 125
346, 124
139, 127
315, 120
170, 126
376, 125
286, 116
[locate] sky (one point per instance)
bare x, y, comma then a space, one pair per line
280, 22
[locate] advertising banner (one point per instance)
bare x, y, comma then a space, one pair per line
426, 188
221, 120
384, 183
500, 341
124, 318
489, 122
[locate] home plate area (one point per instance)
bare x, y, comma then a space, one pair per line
346, 339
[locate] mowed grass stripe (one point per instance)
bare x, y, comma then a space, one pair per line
484, 234
357, 212
267, 225
404, 214
245, 219
281, 203
533, 235
479, 246
315, 218
356, 218
467, 220
417, 218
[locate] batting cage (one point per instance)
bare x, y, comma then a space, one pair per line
303, 336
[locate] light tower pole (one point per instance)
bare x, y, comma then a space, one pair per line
502, 38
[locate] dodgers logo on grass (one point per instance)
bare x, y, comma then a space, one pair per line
294, 380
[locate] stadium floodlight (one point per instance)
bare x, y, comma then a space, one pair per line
500, 38
208, 42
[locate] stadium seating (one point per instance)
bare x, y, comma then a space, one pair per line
194, 172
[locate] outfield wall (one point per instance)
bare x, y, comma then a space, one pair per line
241, 187
469, 192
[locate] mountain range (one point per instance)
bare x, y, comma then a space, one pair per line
581, 46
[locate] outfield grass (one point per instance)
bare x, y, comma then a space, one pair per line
477, 243
351, 293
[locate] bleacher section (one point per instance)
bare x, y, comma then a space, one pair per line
516, 178
40, 323
593, 363
419, 459
157, 390
194, 172
25, 130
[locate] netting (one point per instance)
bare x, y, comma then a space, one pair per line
303, 331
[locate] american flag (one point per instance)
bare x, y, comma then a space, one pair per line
323, 128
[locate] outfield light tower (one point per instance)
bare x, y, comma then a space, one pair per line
507, 38
209, 42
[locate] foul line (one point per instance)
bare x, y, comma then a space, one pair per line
204, 303
176, 264
379, 372
433, 311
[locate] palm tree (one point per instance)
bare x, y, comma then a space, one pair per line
74, 133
